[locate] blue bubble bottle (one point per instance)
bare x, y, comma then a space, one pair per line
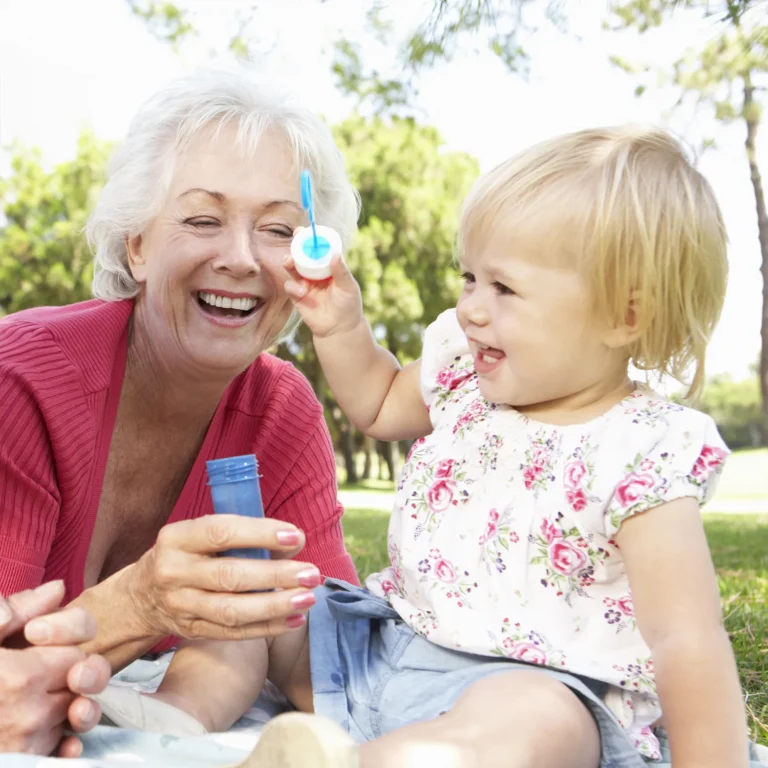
234, 484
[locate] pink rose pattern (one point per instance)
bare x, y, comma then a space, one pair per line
497, 539
454, 381
619, 613
646, 482
513, 641
578, 476
476, 413
709, 461
440, 574
538, 467
539, 546
433, 487
569, 557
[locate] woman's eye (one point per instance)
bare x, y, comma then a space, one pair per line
202, 223
280, 231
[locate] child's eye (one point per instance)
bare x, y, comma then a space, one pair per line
502, 289
467, 277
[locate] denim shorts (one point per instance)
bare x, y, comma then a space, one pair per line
371, 673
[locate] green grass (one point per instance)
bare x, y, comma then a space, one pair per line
375, 486
365, 532
739, 545
745, 477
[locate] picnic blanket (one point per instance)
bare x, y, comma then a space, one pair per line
107, 747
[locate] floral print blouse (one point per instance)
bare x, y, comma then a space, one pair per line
501, 540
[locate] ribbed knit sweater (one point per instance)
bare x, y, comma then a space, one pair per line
61, 370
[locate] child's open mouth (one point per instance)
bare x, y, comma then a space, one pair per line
487, 359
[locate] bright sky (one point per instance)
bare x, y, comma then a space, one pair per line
66, 65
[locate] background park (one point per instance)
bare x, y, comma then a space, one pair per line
422, 96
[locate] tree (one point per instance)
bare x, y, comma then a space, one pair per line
43, 256
729, 76
449, 25
735, 406
410, 190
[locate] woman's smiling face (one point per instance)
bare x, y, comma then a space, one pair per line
210, 264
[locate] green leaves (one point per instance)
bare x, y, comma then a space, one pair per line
43, 255
410, 190
166, 21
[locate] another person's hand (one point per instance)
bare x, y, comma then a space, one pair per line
41, 684
180, 587
330, 306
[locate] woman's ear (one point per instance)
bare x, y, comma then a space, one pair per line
625, 333
136, 261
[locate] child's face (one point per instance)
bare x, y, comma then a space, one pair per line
534, 310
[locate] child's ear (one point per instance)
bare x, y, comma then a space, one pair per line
136, 260
624, 334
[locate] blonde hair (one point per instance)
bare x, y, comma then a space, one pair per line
646, 227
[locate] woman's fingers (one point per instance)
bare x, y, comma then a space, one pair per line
89, 676
211, 534
273, 628
224, 616
83, 714
71, 626
18, 609
70, 747
235, 574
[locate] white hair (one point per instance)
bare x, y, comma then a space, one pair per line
141, 170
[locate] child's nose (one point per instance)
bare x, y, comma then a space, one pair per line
473, 310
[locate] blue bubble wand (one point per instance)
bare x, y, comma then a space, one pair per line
306, 201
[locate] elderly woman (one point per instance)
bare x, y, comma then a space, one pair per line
111, 407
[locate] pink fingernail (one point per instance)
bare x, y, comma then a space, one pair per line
288, 538
307, 600
296, 621
309, 578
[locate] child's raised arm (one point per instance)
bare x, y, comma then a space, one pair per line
677, 606
379, 397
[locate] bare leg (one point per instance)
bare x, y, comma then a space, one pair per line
239, 669
289, 667
510, 720
216, 681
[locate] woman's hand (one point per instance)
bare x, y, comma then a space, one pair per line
328, 307
181, 587
40, 685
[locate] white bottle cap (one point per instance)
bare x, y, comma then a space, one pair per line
313, 262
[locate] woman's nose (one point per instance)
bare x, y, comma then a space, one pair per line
238, 255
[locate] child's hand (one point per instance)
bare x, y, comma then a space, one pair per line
328, 307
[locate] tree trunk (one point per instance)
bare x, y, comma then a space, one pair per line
392, 459
347, 448
752, 119
381, 453
368, 447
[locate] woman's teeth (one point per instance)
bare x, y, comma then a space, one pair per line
214, 300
